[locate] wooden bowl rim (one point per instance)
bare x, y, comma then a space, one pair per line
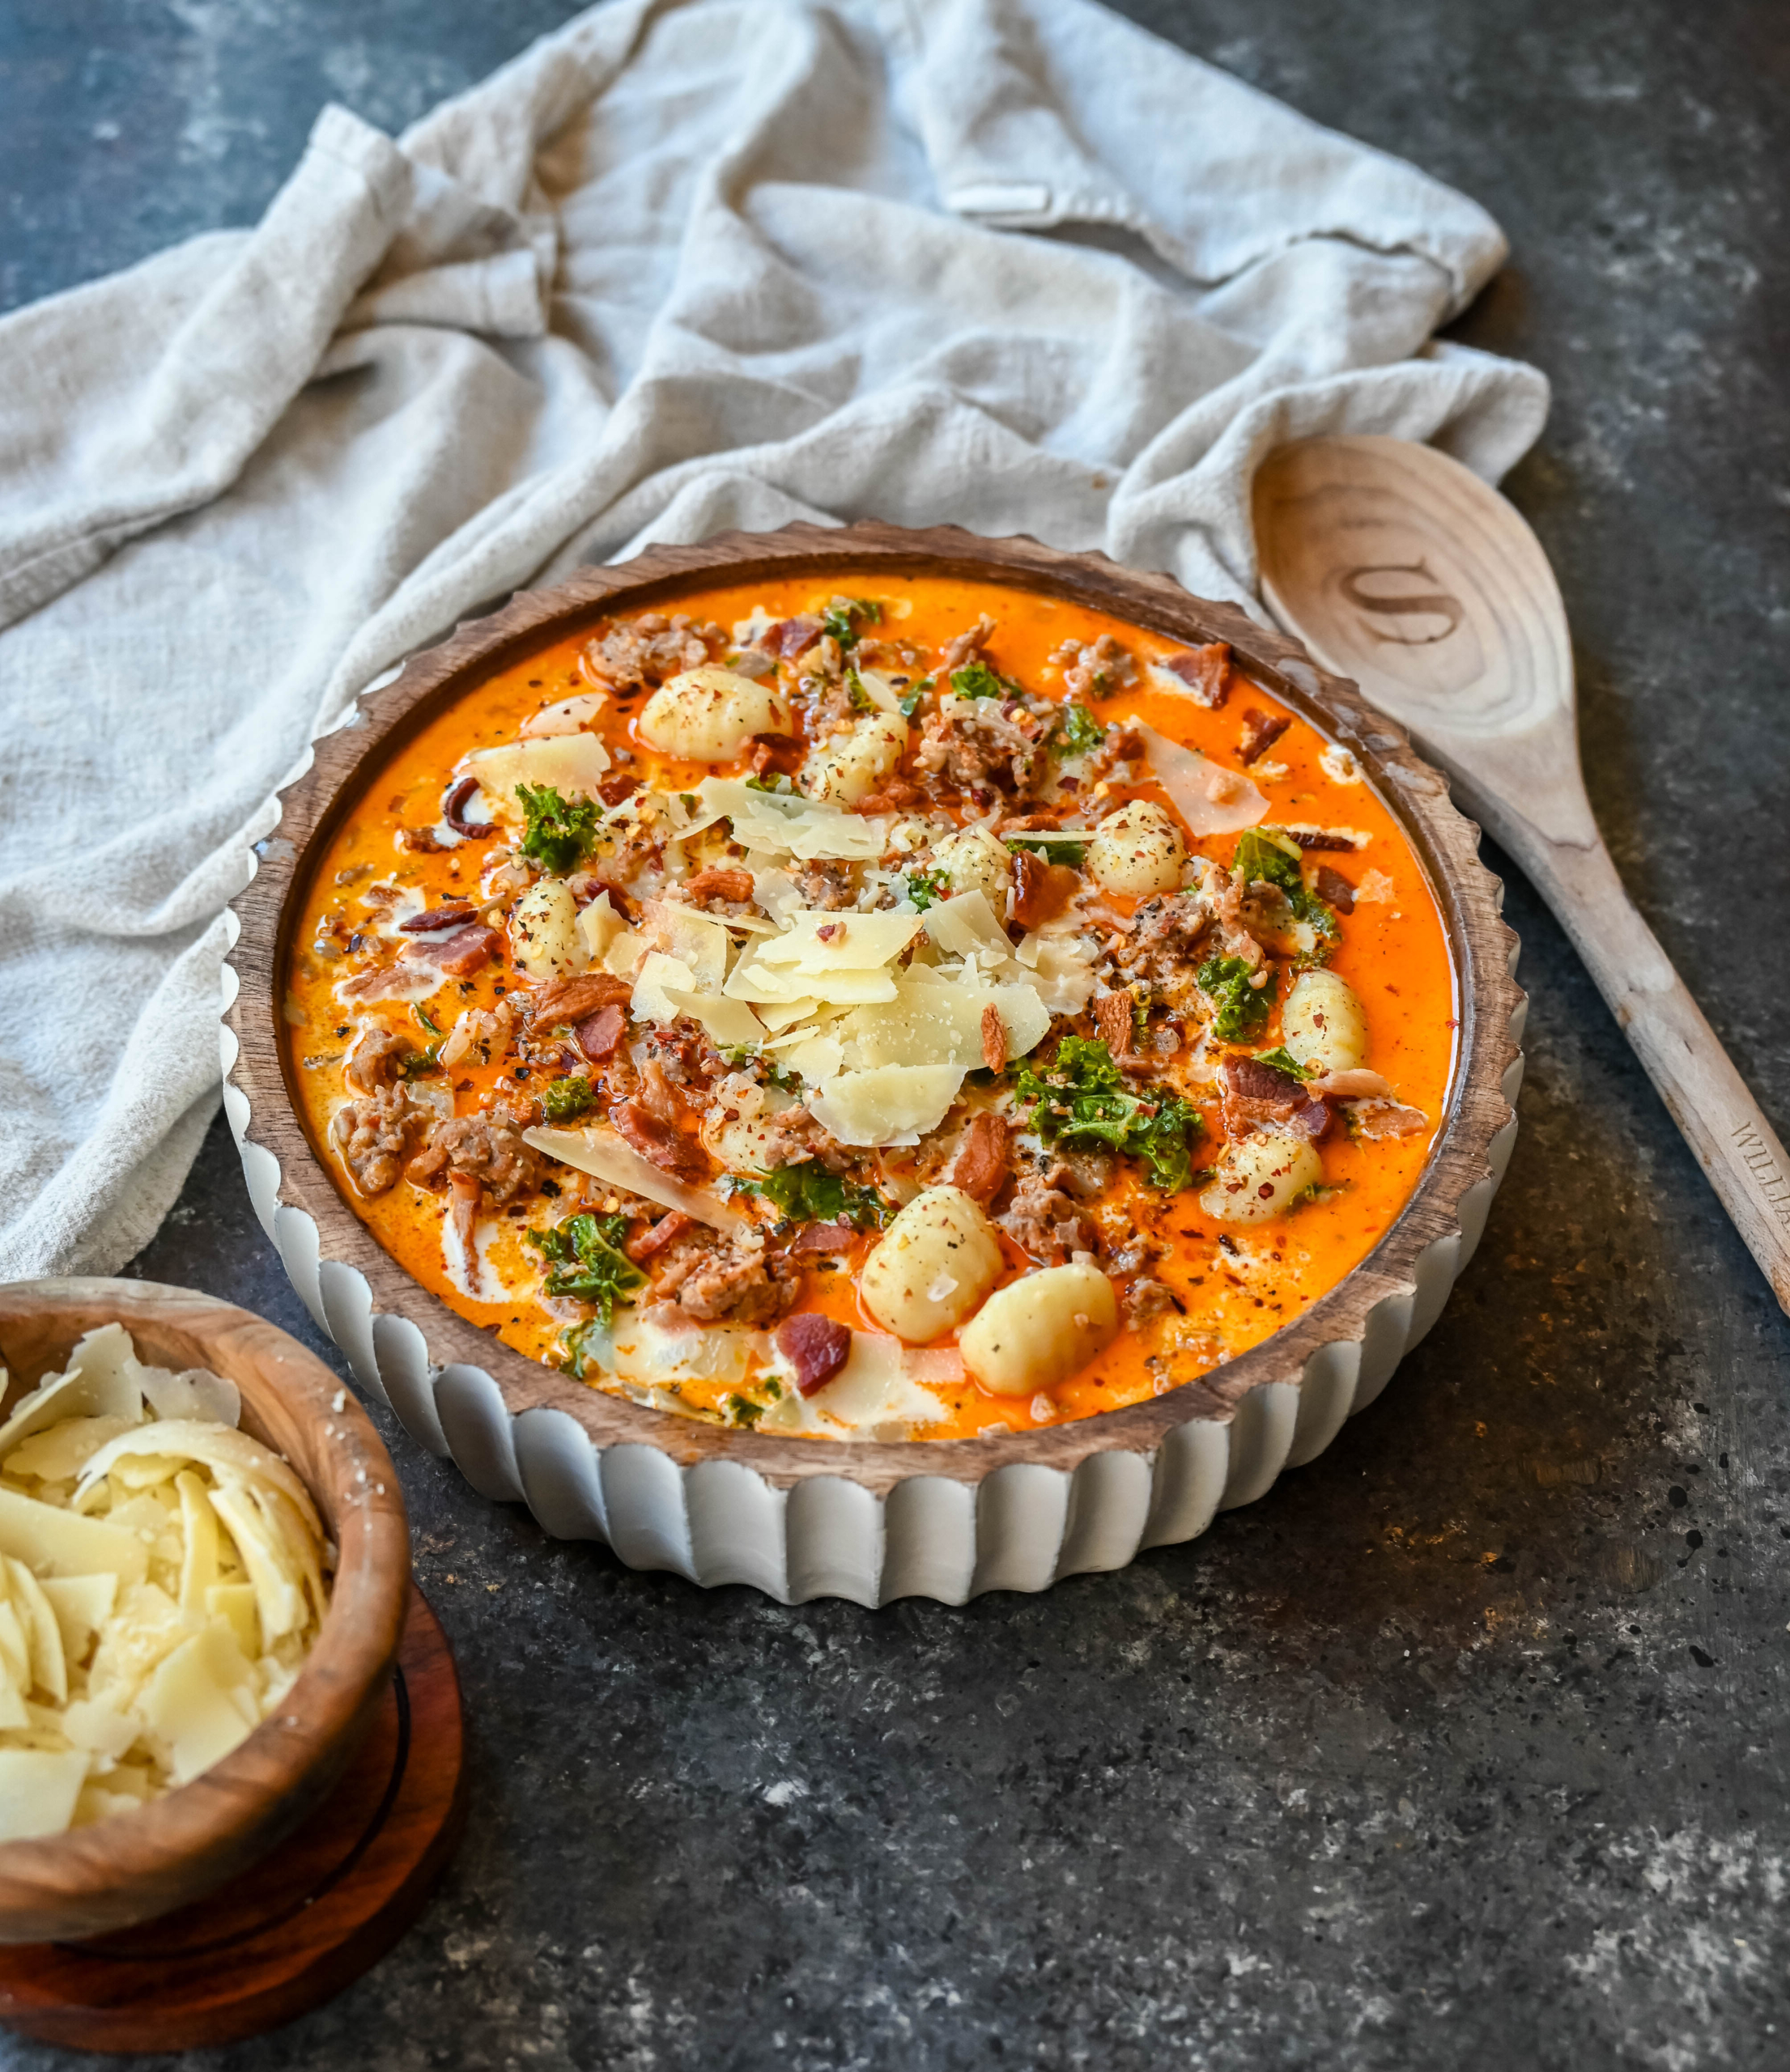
231, 1812
315, 803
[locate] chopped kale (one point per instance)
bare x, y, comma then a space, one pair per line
1079, 732
926, 889
567, 1098
977, 680
559, 832
741, 1411
1083, 1098
1243, 1009
1259, 855
857, 695
910, 704
427, 1019
841, 616
808, 1193
1053, 848
782, 786
1282, 1060
419, 1061
585, 1261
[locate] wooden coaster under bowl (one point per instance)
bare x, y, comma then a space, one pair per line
291, 1932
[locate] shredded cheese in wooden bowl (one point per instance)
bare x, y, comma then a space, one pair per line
162, 1576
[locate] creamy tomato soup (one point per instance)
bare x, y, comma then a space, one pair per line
900, 1007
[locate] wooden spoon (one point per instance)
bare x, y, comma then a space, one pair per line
1399, 567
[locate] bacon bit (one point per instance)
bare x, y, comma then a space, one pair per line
1332, 885
1382, 1119
662, 1232
599, 1033
831, 931
791, 637
994, 1038
816, 1347
823, 1237
659, 1097
1358, 1084
1206, 671
454, 804
719, 881
981, 1165
1261, 730
462, 952
1114, 1017
1040, 890
463, 1209
577, 997
900, 793
1311, 838
1262, 1096
438, 917
612, 789
761, 756
658, 1143
421, 842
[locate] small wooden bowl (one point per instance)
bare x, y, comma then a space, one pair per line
143, 1864
867, 1520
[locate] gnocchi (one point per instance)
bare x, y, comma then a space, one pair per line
851, 765
1323, 1024
972, 860
1035, 1332
1257, 1178
711, 715
1137, 851
937, 1259
544, 935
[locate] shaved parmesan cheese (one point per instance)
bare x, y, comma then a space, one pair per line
1061, 972
823, 943
727, 1024
817, 1057
889, 1104
38, 1789
43, 1631
874, 1394
278, 1598
191, 1706
754, 982
599, 924
1209, 798
784, 1014
942, 1025
82, 1605
694, 939
61, 1453
564, 717
967, 927
223, 1451
193, 1393
103, 1379
653, 973
601, 1153
782, 822
235, 1602
571, 763
54, 1541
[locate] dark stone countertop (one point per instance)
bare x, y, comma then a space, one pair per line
1467, 1746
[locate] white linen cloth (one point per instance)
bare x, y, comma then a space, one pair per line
1014, 263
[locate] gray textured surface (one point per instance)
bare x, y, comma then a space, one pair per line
1467, 1747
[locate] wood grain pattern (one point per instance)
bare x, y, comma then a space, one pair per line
1401, 567
315, 806
179, 1847
287, 1936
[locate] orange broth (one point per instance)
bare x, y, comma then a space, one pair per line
1238, 1285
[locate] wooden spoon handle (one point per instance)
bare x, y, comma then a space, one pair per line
1708, 1100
